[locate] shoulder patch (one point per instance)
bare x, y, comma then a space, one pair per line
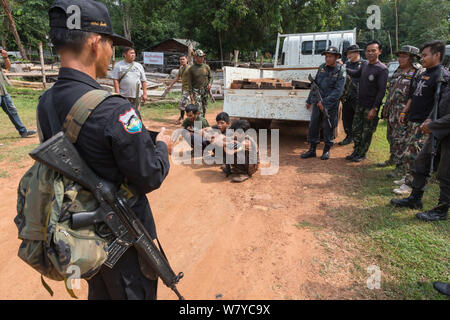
131, 122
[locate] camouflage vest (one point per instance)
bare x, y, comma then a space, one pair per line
45, 203
398, 88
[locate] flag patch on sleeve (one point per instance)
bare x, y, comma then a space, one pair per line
131, 122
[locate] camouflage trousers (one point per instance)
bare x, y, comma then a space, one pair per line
184, 101
201, 100
415, 141
396, 135
363, 130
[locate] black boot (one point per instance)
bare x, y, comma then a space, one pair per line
326, 153
350, 157
348, 139
414, 201
442, 287
437, 213
311, 153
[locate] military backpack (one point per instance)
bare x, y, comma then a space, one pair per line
45, 203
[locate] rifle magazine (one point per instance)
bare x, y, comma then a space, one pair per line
115, 251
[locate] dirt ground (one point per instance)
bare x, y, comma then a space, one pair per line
232, 241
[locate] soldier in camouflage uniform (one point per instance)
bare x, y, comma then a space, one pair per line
419, 106
200, 80
398, 94
185, 96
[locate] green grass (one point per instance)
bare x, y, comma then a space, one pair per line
410, 253
161, 111
25, 101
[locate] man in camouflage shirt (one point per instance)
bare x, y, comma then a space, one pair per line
185, 96
200, 80
398, 94
6, 101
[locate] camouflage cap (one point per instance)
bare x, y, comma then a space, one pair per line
332, 50
199, 53
413, 51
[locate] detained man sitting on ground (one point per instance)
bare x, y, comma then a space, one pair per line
194, 126
241, 154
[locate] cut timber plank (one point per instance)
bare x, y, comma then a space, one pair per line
300, 84
31, 74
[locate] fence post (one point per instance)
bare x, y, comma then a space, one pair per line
41, 54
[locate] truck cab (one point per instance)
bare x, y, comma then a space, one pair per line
304, 50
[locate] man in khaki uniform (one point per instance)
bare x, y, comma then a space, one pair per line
200, 80
185, 96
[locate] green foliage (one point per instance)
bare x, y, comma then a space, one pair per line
31, 19
245, 25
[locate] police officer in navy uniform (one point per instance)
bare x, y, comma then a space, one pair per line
116, 149
331, 80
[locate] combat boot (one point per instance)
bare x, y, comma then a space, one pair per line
326, 153
350, 157
414, 201
442, 287
311, 153
348, 139
437, 213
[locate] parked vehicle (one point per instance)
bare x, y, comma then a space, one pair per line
301, 56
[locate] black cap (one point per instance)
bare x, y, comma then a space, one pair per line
84, 15
332, 50
353, 48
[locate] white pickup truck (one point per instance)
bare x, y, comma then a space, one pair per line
301, 55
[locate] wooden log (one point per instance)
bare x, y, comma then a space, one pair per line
29, 84
31, 74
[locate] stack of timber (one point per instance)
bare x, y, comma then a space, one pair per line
270, 83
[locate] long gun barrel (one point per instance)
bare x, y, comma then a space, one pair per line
316, 92
434, 118
59, 154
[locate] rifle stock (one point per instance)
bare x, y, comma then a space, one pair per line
59, 154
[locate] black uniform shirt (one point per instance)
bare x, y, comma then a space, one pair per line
422, 94
331, 82
355, 80
115, 148
372, 83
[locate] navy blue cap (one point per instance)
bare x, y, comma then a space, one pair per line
84, 15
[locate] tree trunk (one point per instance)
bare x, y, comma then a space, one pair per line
5, 5
396, 25
126, 22
221, 52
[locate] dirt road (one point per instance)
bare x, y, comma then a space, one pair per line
232, 241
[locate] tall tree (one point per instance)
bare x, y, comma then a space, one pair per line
7, 10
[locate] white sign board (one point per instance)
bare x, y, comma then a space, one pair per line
154, 58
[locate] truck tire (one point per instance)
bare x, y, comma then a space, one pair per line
258, 123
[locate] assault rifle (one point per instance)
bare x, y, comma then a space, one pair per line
59, 154
434, 113
315, 90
